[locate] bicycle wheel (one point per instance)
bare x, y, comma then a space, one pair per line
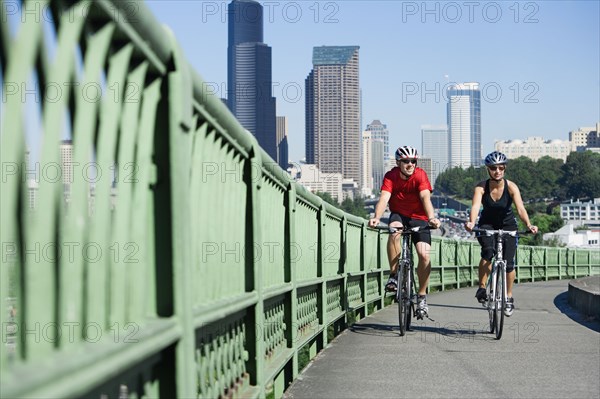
409, 296
401, 298
500, 301
491, 302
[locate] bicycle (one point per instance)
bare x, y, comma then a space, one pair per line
496, 284
406, 287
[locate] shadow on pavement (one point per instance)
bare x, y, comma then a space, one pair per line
450, 331
561, 301
380, 330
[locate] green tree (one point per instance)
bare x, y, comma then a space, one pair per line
545, 223
522, 171
355, 207
548, 174
581, 175
327, 198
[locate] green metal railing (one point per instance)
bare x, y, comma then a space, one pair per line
199, 268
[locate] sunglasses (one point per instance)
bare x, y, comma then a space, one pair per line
493, 168
413, 161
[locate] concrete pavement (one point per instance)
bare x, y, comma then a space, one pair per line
548, 350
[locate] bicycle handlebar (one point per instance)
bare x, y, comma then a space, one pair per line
500, 232
405, 229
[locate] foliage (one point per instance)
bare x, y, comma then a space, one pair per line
547, 178
581, 175
327, 198
545, 223
354, 207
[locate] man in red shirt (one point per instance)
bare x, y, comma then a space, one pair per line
408, 191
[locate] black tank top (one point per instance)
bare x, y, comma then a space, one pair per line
499, 213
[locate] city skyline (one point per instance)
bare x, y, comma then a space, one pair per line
249, 76
536, 66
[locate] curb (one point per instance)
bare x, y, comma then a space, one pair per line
584, 295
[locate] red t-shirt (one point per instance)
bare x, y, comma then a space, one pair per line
405, 193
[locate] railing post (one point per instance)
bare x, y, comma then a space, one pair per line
546, 263
322, 339
291, 217
180, 118
257, 364
575, 263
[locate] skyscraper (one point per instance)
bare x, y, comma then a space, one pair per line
434, 140
464, 125
380, 131
249, 79
282, 142
333, 134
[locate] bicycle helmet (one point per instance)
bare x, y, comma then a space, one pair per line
406, 152
495, 158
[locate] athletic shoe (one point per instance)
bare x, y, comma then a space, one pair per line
422, 304
510, 307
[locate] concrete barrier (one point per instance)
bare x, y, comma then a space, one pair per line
584, 295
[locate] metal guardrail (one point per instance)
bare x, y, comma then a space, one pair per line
201, 269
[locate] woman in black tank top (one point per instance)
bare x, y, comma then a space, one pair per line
497, 195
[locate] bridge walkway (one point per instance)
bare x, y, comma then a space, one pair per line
548, 350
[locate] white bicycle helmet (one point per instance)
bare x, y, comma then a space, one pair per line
406, 152
496, 158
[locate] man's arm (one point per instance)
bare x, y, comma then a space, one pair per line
384, 198
425, 196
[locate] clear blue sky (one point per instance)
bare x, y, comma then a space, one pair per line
537, 61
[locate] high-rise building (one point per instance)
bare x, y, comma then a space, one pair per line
380, 131
434, 142
282, 142
333, 134
373, 162
249, 78
66, 166
379, 170
367, 163
66, 161
464, 125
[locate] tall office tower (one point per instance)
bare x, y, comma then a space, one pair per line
66, 161
249, 80
367, 163
66, 165
380, 131
333, 134
379, 170
434, 142
464, 125
282, 142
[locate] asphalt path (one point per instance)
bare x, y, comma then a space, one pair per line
548, 350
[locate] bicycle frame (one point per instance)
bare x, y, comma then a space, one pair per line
406, 284
496, 281
496, 287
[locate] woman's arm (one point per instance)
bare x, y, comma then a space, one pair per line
515, 193
475, 205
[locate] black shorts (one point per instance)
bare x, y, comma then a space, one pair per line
421, 236
488, 246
